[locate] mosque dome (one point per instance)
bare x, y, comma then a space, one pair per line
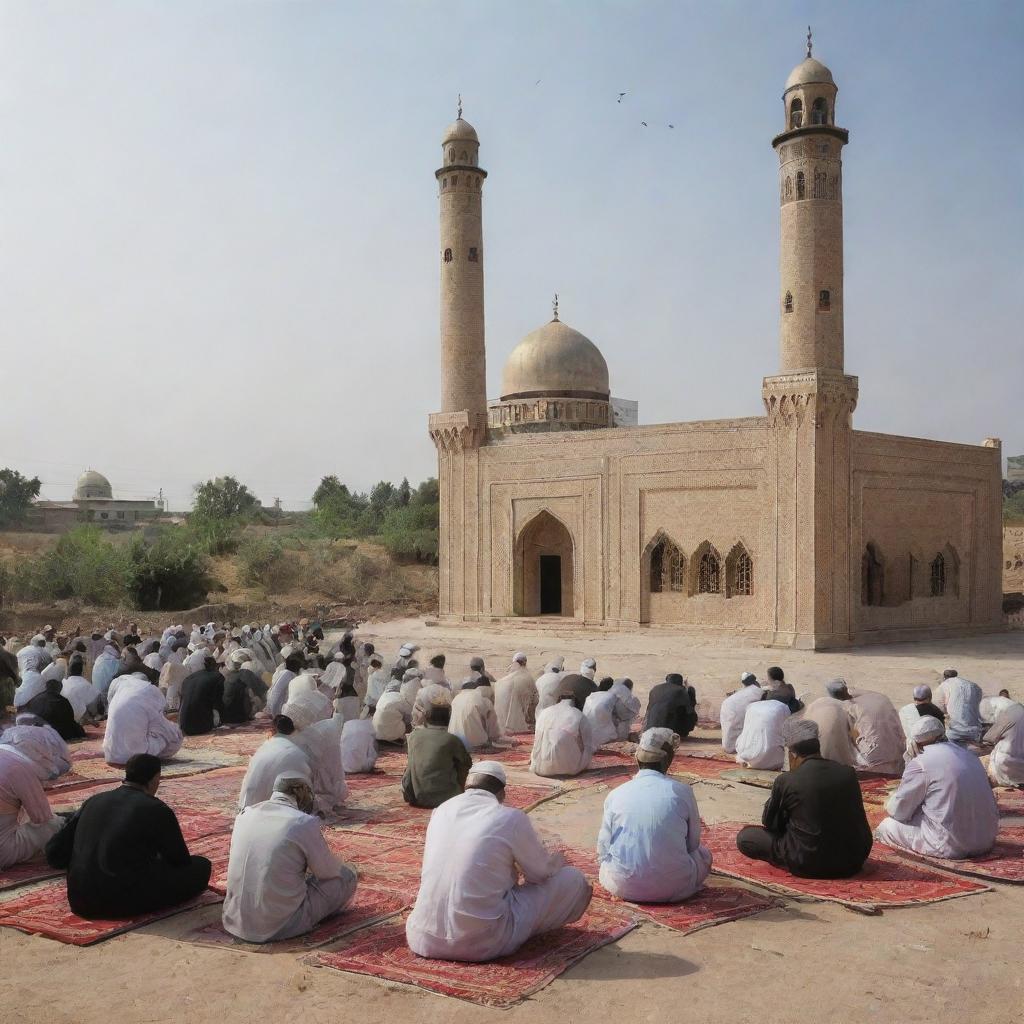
555, 361
92, 485
809, 72
459, 131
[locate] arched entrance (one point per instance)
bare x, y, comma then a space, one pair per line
543, 579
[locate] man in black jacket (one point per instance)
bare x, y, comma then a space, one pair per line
56, 711
814, 821
672, 705
124, 851
202, 694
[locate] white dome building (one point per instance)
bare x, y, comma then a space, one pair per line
92, 485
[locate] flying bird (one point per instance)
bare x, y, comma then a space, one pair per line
671, 126
619, 100
537, 82
644, 123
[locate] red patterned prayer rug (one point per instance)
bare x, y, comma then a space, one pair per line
200, 824
34, 870
885, 880
369, 906
382, 952
1010, 801
1003, 863
43, 910
876, 789
241, 740
72, 798
211, 791
184, 763
68, 781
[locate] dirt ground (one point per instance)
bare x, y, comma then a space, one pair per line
808, 962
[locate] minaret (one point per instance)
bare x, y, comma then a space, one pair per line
810, 402
460, 180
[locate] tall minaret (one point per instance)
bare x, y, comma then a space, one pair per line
810, 401
460, 180
811, 194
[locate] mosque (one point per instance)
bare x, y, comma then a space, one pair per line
93, 502
792, 528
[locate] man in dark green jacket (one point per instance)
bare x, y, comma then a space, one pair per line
438, 761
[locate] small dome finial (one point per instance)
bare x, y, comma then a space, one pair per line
554, 306
810, 43
458, 116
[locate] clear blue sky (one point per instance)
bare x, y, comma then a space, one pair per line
218, 246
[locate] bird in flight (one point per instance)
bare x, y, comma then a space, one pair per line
619, 100
671, 126
537, 82
644, 123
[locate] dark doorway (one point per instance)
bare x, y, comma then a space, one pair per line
551, 584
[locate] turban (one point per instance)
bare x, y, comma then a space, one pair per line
922, 693
476, 664
836, 687
520, 657
339, 655
798, 730
394, 686
38, 640
653, 743
495, 769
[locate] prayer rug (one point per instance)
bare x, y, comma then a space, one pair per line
1003, 863
750, 777
68, 781
34, 870
382, 953
233, 739
200, 824
72, 798
85, 750
1010, 801
876, 789
184, 763
43, 910
211, 791
369, 906
701, 766
885, 880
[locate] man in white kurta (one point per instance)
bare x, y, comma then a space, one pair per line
278, 754
358, 747
878, 733
831, 714
320, 738
27, 821
40, 743
136, 723
961, 700
734, 709
944, 806
562, 744
1006, 762
548, 685
32, 684
648, 847
515, 697
283, 879
33, 655
83, 697
471, 905
473, 719
393, 716
760, 741
610, 710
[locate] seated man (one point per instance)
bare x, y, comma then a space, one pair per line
358, 746
471, 905
244, 691
961, 700
202, 699
922, 705
124, 851
320, 738
876, 731
515, 697
86, 703
944, 806
562, 744
649, 844
278, 754
1006, 762
472, 716
760, 742
438, 760
779, 688
376, 682
278, 694
40, 744
27, 821
672, 705
991, 707
734, 710
835, 727
283, 879
548, 684
393, 717
610, 710
814, 820
136, 723
56, 711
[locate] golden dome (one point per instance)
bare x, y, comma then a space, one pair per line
555, 361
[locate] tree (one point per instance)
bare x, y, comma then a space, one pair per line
382, 497
224, 498
17, 493
404, 493
330, 490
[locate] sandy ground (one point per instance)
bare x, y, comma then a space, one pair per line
808, 962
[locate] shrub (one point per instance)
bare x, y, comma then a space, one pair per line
83, 564
169, 573
262, 562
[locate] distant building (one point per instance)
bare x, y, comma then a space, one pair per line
1015, 469
93, 502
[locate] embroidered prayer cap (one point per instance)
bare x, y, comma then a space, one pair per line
495, 769
241, 656
798, 730
748, 677
927, 728
656, 743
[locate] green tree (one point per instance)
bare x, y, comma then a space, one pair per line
330, 491
224, 498
17, 493
404, 494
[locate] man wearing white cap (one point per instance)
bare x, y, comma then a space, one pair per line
472, 716
515, 697
734, 708
471, 905
34, 656
563, 743
649, 844
944, 805
921, 705
835, 727
1006, 763
549, 683
588, 668
376, 683
283, 879
759, 744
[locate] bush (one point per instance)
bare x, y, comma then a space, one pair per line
170, 573
262, 562
215, 536
83, 564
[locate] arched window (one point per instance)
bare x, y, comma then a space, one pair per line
938, 574
796, 113
455, 180
451, 155
819, 111
474, 255
801, 189
739, 572
706, 571
820, 185
447, 255
824, 300
463, 157
872, 576
668, 568
657, 567
444, 183
787, 303
788, 192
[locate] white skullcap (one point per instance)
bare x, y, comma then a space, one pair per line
338, 655
589, 663
927, 728
797, 730
745, 676
38, 639
411, 673
835, 687
495, 769
520, 657
283, 778
922, 693
241, 656
47, 628
653, 742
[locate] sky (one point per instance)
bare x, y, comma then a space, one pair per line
219, 220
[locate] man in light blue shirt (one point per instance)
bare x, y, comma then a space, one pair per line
649, 844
